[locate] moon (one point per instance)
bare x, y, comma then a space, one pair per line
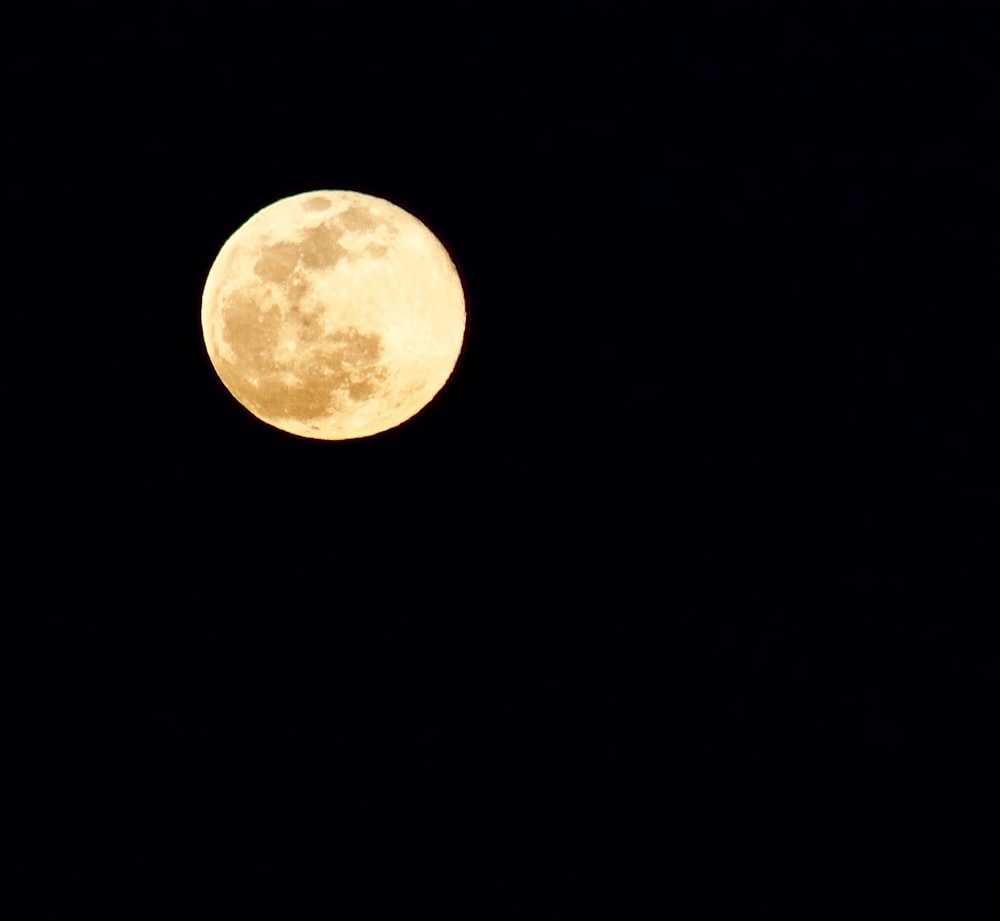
333, 315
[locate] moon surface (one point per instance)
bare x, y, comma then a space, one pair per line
333, 315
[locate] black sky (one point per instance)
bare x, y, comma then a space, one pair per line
680, 600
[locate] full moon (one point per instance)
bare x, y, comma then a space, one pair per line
333, 315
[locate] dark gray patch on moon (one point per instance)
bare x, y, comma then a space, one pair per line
316, 204
357, 217
319, 248
326, 371
277, 261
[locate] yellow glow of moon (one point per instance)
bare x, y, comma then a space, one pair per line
333, 315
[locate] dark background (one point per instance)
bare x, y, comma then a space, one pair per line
680, 600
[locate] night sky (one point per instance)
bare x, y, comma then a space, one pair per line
680, 601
